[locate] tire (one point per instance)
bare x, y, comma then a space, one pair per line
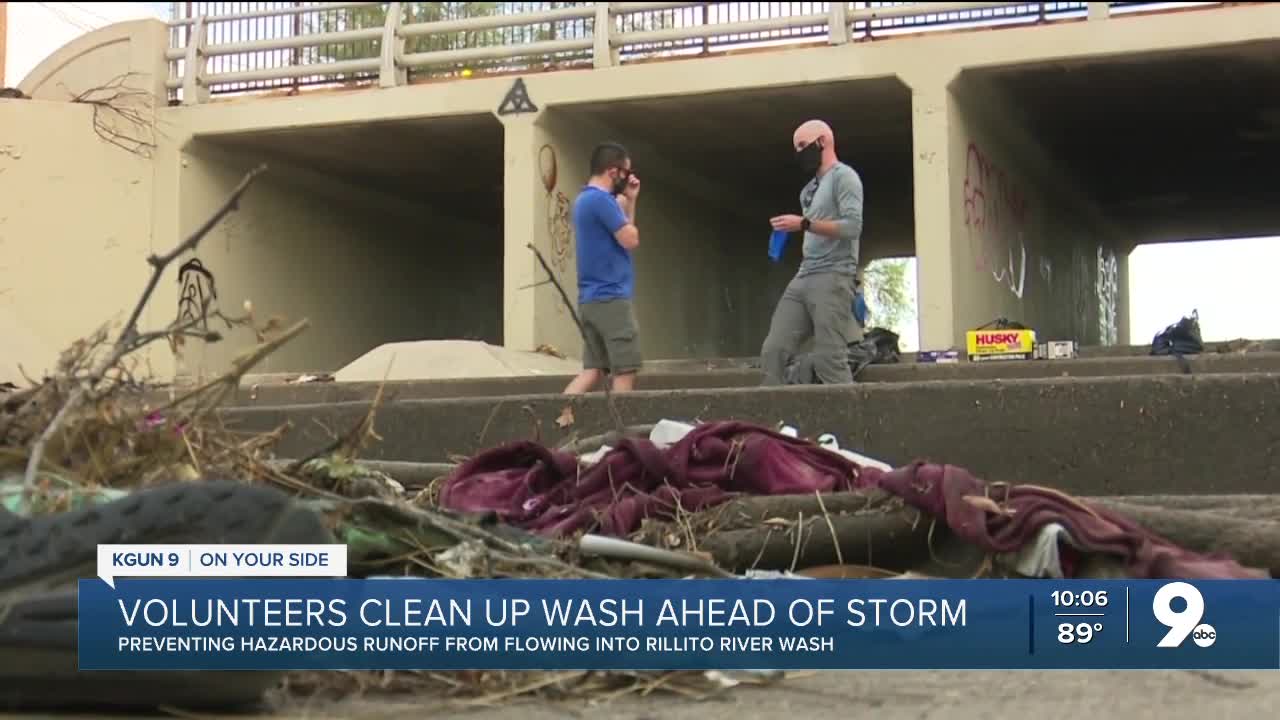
41, 560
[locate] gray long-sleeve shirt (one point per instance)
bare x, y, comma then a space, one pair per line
835, 195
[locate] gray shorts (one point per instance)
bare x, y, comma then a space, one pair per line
612, 341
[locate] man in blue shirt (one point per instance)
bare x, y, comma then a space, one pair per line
604, 223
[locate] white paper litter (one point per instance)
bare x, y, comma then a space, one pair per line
1040, 558
773, 575
829, 441
669, 432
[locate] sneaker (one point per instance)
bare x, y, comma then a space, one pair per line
42, 558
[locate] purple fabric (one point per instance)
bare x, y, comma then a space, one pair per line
543, 490
941, 491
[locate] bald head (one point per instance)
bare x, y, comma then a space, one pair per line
815, 146
812, 130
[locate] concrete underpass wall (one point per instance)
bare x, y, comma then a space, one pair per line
704, 284
1026, 244
364, 268
76, 209
75, 230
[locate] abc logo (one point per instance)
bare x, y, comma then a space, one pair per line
1185, 622
1204, 635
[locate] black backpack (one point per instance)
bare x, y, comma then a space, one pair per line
886, 344
1180, 339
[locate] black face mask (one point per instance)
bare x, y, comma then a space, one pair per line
810, 157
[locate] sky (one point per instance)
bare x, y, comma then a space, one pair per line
37, 29
1230, 283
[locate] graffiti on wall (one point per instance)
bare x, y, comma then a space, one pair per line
1083, 303
995, 216
198, 294
559, 225
1046, 272
997, 220
1107, 289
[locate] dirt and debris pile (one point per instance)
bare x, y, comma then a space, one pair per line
662, 500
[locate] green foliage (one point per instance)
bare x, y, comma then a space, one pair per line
422, 12
419, 12
885, 285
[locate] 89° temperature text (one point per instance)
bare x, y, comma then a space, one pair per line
1077, 633
1081, 614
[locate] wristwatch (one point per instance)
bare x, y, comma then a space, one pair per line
804, 224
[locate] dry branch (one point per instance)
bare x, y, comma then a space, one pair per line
896, 541
737, 531
129, 338
1252, 543
114, 103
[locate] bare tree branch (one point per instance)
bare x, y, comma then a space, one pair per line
115, 104
128, 340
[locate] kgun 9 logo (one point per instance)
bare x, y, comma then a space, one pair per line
1185, 622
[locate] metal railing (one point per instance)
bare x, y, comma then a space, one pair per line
237, 47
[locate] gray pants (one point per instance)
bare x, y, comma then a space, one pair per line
612, 341
819, 306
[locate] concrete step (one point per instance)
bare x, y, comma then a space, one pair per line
1135, 434
743, 377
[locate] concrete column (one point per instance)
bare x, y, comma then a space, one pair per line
519, 266
541, 161
932, 171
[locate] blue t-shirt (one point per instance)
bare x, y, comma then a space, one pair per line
604, 266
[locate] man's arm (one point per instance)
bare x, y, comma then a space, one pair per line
848, 222
621, 224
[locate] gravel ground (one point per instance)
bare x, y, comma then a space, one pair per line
901, 695
1069, 695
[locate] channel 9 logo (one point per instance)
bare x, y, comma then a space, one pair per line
1182, 623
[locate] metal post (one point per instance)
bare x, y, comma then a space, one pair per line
838, 23
1099, 10
296, 55
602, 54
392, 73
193, 90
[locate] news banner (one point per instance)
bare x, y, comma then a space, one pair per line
265, 607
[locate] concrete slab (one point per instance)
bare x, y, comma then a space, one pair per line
686, 366
743, 376
1176, 434
441, 359
935, 695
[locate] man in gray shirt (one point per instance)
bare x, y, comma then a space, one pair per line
818, 302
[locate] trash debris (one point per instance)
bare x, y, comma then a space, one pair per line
877, 347
674, 499
304, 379
1179, 340
637, 479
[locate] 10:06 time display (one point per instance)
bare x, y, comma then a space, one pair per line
1084, 598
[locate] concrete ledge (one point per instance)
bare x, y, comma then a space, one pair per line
1116, 435
743, 377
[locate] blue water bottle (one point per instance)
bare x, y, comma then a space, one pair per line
777, 243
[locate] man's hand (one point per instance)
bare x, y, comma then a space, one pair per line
633, 188
788, 223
